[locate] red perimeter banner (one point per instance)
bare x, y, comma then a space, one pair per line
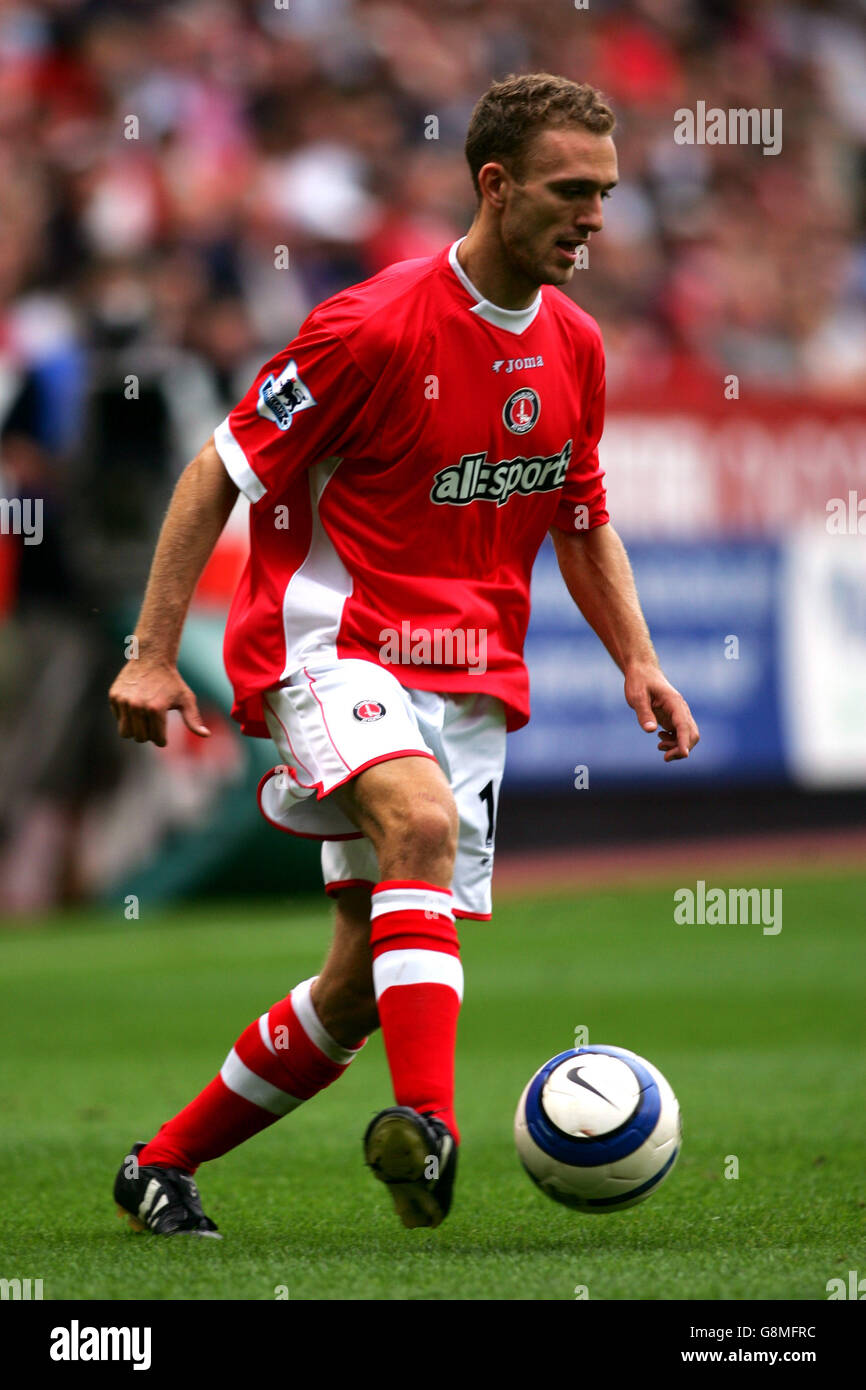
688, 462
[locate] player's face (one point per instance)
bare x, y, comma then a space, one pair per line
556, 205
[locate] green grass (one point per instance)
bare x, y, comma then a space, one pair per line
111, 1026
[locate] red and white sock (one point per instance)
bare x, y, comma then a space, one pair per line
418, 979
278, 1062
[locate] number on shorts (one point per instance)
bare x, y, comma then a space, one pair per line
487, 797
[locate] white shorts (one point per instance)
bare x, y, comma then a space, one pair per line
331, 722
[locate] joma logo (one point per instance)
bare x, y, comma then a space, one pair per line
517, 364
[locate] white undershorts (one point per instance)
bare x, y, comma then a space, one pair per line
331, 722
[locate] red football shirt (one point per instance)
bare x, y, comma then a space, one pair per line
404, 457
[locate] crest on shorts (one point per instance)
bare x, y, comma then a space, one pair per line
521, 410
368, 710
281, 397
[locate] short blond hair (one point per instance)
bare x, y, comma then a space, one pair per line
510, 114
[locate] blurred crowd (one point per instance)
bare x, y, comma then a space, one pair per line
180, 183
154, 155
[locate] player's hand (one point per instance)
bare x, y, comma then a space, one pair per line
659, 706
143, 694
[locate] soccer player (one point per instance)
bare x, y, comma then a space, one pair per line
404, 457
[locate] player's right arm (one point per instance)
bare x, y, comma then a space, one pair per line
150, 684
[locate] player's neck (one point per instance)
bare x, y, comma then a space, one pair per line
483, 259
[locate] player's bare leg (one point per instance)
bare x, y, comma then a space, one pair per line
343, 993
405, 807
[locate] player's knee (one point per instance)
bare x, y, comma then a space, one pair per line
426, 831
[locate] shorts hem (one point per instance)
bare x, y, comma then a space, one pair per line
321, 793
335, 886
382, 758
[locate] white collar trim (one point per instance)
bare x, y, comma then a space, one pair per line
514, 320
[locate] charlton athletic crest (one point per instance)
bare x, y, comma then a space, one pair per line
368, 710
521, 410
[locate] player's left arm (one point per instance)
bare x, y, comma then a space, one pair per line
599, 577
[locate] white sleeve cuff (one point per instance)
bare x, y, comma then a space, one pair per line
236, 463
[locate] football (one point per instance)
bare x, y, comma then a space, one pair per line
598, 1128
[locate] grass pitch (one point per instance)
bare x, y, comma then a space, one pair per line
111, 1026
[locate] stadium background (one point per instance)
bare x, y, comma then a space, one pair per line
139, 291
182, 183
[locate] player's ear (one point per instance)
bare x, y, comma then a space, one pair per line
493, 181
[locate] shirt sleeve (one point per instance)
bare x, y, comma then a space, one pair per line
583, 500
304, 405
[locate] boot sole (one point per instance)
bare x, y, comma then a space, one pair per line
132, 1221
398, 1155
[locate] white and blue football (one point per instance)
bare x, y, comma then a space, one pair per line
598, 1128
